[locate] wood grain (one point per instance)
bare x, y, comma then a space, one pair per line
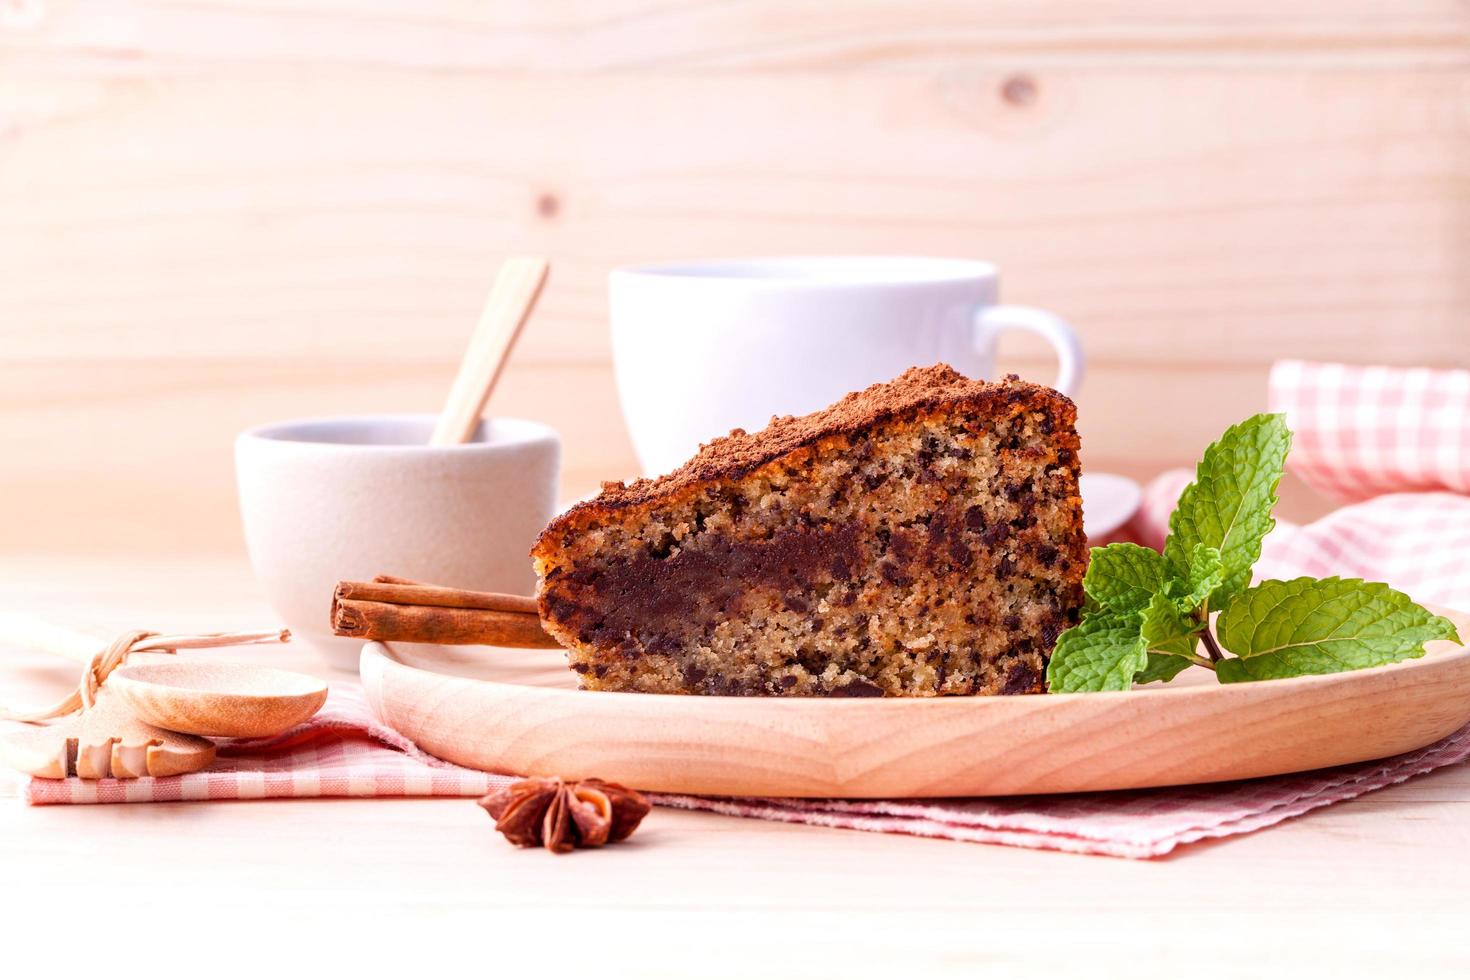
633, 35
205, 206
520, 712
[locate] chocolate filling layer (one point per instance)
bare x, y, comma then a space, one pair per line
633, 600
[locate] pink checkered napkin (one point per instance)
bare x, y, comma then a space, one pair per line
1362, 432
1133, 824
1399, 438
1415, 535
342, 751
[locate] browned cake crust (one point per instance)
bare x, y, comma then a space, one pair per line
919, 537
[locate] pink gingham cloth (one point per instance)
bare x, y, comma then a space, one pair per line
1395, 442
342, 751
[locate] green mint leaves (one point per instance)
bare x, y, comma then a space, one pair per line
1204, 575
1103, 653
1148, 615
1321, 626
1124, 577
1228, 506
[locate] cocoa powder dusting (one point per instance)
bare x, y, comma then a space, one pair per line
914, 391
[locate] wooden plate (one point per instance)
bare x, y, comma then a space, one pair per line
518, 711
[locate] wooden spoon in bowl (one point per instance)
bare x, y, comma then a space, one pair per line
517, 287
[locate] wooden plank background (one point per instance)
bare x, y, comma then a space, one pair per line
214, 214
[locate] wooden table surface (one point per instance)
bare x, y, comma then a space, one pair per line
1376, 884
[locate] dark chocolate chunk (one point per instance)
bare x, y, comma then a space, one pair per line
895, 576
856, 689
1049, 634
1022, 679
904, 546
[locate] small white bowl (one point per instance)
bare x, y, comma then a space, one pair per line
329, 499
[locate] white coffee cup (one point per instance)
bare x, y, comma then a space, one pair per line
325, 500
703, 347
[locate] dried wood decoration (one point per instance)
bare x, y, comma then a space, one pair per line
91, 733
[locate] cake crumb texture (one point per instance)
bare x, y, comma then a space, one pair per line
918, 538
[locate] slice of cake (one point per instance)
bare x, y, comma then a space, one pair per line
921, 537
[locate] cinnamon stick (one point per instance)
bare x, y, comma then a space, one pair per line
390, 608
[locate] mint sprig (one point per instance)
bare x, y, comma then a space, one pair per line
1321, 626
1228, 506
1148, 614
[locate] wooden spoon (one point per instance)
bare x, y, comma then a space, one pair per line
516, 289
221, 700
191, 696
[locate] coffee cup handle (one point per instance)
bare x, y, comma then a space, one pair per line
992, 321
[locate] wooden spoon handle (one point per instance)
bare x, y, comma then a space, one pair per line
33, 633
81, 645
511, 298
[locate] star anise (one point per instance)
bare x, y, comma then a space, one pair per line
562, 815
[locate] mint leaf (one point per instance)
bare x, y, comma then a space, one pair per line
1321, 626
1169, 633
1228, 506
1166, 627
1161, 667
1102, 653
1124, 577
1205, 574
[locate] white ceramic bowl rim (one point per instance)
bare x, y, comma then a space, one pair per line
820, 270
1108, 502
404, 432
